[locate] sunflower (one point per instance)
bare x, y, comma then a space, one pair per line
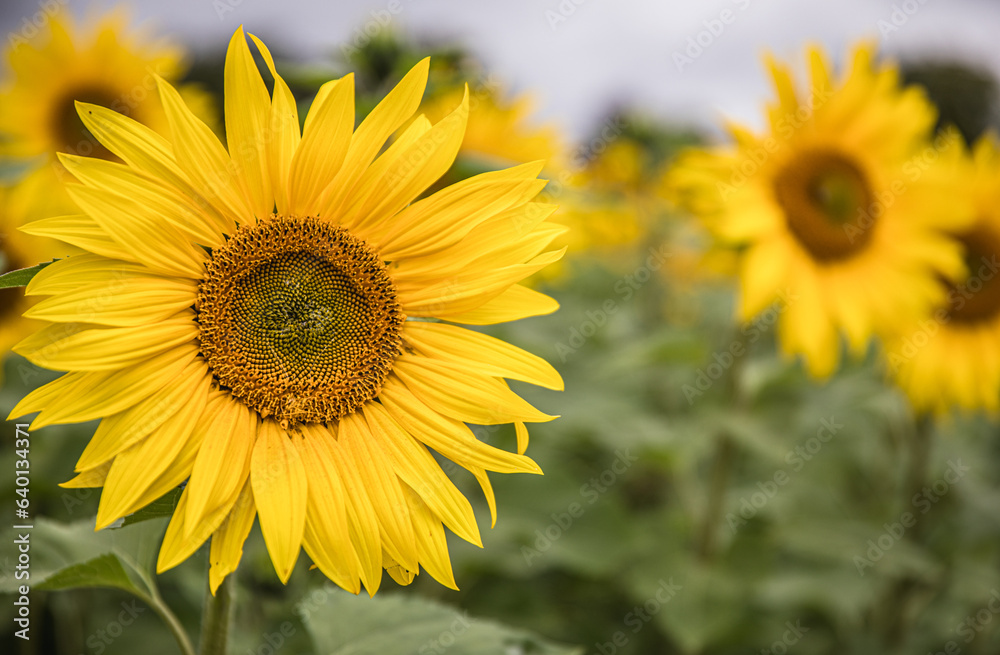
108, 65
499, 131
20, 250
259, 323
951, 357
836, 207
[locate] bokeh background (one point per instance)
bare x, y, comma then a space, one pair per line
694, 500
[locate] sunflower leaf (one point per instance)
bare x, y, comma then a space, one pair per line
344, 624
21, 276
160, 508
103, 571
73, 555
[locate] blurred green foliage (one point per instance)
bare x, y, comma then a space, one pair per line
701, 496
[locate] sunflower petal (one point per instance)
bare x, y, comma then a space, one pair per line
327, 535
451, 438
227, 542
361, 519
204, 159
283, 132
248, 110
517, 302
387, 117
130, 482
325, 140
486, 354
374, 469
224, 459
281, 491
417, 468
60, 348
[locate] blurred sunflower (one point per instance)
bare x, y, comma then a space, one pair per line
107, 65
19, 250
951, 357
256, 322
499, 131
836, 207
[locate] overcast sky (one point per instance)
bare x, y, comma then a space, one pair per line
581, 57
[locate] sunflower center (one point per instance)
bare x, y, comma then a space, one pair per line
299, 319
977, 298
825, 198
70, 132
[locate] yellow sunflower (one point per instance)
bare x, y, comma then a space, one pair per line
20, 250
107, 65
837, 207
499, 131
259, 322
951, 357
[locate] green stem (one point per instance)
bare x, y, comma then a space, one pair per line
170, 619
216, 617
903, 592
721, 467
723, 462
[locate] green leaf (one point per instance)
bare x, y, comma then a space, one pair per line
398, 625
74, 555
103, 571
162, 507
21, 276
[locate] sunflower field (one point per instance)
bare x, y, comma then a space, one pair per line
359, 345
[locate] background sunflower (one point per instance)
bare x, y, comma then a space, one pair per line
703, 493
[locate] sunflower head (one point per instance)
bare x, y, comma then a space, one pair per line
279, 323
107, 64
842, 205
949, 358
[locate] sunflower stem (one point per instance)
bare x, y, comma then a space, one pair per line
216, 617
722, 463
721, 467
170, 619
902, 593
